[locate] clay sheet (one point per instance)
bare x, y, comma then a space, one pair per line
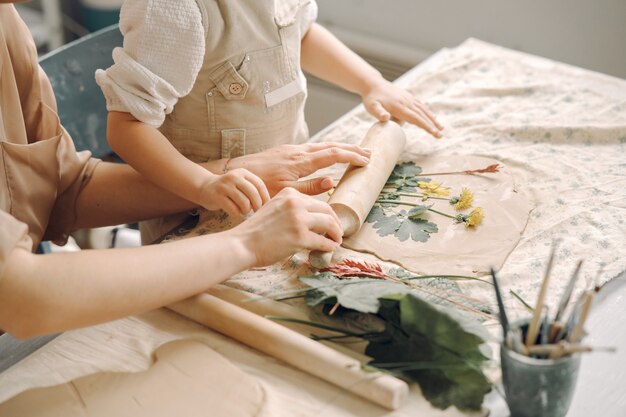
187, 378
455, 249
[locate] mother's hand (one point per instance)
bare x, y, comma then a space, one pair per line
284, 165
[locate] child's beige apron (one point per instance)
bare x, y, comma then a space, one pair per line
250, 92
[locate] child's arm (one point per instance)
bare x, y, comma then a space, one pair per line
324, 56
149, 152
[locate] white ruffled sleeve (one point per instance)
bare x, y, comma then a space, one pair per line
163, 52
309, 17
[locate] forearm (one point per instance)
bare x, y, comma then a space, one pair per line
324, 56
152, 155
118, 194
49, 293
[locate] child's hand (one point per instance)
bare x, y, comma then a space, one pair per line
237, 192
385, 100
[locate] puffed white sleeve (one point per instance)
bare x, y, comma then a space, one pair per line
163, 51
309, 16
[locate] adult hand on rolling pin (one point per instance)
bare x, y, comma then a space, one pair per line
289, 223
386, 101
284, 165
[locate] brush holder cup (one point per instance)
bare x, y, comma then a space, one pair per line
538, 387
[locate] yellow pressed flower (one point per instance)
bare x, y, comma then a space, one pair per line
465, 200
433, 188
475, 217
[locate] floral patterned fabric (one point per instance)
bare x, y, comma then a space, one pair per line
560, 131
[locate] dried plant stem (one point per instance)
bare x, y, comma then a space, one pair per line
489, 169
406, 203
417, 195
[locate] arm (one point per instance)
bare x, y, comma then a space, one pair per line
150, 153
324, 56
47, 293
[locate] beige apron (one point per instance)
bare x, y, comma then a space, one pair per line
250, 92
41, 172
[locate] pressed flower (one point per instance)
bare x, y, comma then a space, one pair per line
433, 188
473, 219
476, 217
463, 201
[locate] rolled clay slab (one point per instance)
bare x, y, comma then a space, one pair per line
359, 187
187, 379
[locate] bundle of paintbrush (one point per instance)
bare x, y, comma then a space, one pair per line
546, 337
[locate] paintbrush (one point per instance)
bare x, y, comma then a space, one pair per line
533, 327
545, 327
504, 321
577, 332
564, 348
567, 293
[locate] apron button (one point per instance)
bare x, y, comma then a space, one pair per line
235, 88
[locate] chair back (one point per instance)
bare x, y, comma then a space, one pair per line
81, 105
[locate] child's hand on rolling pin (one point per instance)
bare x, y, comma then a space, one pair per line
237, 192
385, 101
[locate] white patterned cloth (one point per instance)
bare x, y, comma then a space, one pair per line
164, 46
561, 133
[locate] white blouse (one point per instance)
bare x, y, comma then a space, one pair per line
163, 51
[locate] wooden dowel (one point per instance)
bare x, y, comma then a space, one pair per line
577, 332
567, 293
295, 349
359, 187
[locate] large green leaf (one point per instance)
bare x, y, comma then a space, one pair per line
355, 293
434, 346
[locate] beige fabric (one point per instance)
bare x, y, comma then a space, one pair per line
252, 49
164, 44
41, 172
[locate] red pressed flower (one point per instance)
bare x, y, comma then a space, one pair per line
490, 168
352, 268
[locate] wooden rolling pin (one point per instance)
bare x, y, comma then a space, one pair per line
293, 348
359, 187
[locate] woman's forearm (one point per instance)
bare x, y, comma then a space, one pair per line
118, 194
49, 293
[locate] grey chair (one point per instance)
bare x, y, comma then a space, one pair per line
82, 108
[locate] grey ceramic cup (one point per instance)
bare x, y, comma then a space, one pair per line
538, 387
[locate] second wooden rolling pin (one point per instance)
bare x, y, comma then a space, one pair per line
293, 348
359, 187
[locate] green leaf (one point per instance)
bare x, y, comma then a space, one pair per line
389, 196
417, 229
420, 332
355, 293
405, 170
401, 225
417, 211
